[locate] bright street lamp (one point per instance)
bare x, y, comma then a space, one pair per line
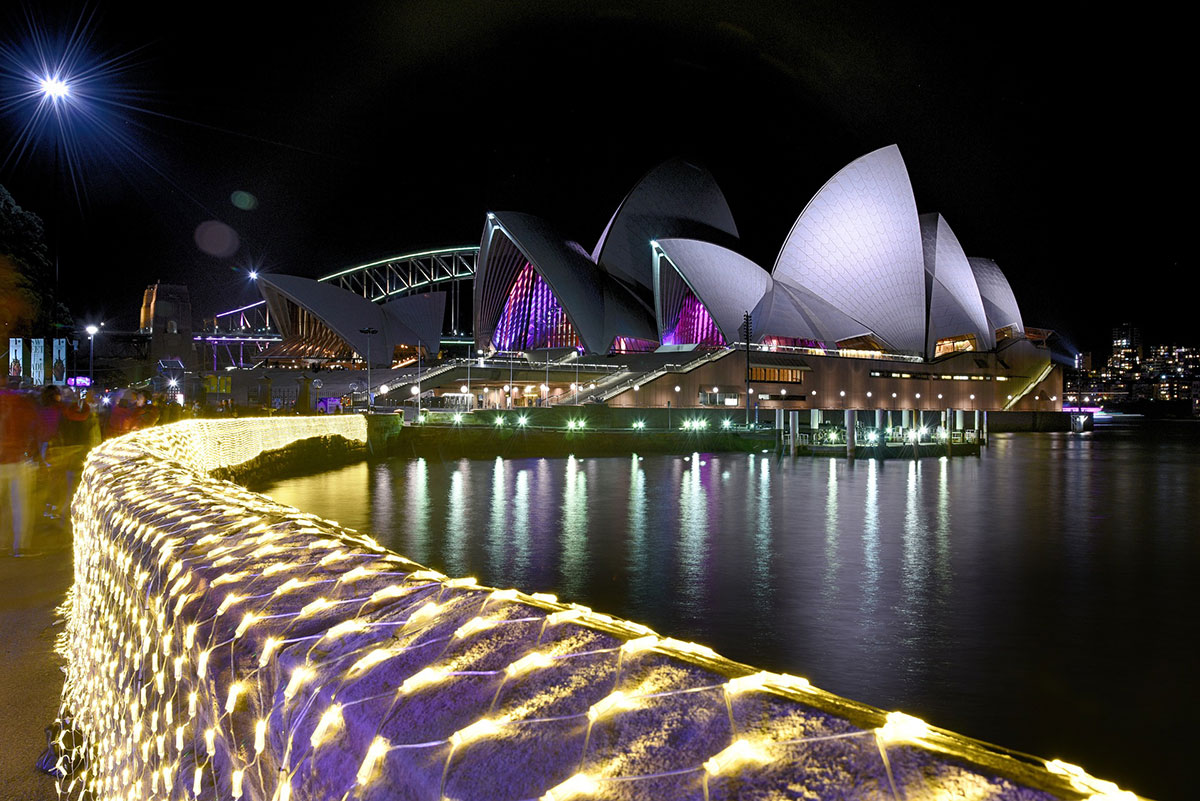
91, 332
54, 88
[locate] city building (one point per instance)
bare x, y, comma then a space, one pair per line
166, 315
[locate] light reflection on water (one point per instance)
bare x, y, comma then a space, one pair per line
1005, 596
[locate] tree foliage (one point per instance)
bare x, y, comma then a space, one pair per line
28, 299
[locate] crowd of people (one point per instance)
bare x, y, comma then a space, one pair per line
44, 438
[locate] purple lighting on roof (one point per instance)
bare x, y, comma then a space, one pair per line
632, 345
532, 317
694, 325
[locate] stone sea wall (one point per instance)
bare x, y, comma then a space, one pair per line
220, 645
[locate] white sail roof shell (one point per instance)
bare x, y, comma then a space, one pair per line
345, 313
998, 300
598, 308
727, 283
676, 199
955, 306
857, 244
794, 312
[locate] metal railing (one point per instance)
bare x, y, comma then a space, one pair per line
658, 372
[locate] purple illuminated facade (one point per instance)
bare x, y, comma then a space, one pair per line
632, 345
693, 325
532, 317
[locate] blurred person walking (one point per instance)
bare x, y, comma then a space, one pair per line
18, 448
48, 480
78, 433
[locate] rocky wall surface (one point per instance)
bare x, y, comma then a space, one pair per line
222, 645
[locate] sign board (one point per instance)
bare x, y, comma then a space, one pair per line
16, 360
79, 381
37, 361
58, 364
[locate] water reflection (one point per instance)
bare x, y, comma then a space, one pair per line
924, 585
574, 529
870, 539
520, 526
761, 578
498, 527
832, 532
943, 584
456, 530
693, 533
913, 539
641, 585
414, 528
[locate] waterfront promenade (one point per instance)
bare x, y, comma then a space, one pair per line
30, 590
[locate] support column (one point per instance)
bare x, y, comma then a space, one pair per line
793, 431
906, 419
960, 421
976, 422
814, 419
851, 433
779, 423
985, 431
879, 420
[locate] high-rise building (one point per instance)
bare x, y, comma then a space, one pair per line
1126, 350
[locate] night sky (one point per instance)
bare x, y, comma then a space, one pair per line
1050, 136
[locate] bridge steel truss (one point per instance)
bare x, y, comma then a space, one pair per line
451, 269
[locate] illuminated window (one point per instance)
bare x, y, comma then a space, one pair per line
955, 344
782, 375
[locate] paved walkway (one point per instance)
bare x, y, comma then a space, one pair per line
30, 590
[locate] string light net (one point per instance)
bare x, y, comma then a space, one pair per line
220, 645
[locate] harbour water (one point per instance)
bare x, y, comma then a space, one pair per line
1038, 596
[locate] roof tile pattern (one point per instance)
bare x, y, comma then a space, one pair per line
728, 284
858, 245
955, 307
998, 298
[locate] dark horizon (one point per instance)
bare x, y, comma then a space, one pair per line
392, 128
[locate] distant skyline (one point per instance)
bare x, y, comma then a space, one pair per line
1047, 137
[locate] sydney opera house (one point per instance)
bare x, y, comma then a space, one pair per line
868, 305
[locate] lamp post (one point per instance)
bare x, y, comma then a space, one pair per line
91, 332
369, 332
470, 403
747, 326
56, 90
418, 380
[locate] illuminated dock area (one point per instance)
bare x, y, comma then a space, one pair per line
222, 645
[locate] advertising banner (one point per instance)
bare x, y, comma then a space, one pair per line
37, 361
16, 362
58, 366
